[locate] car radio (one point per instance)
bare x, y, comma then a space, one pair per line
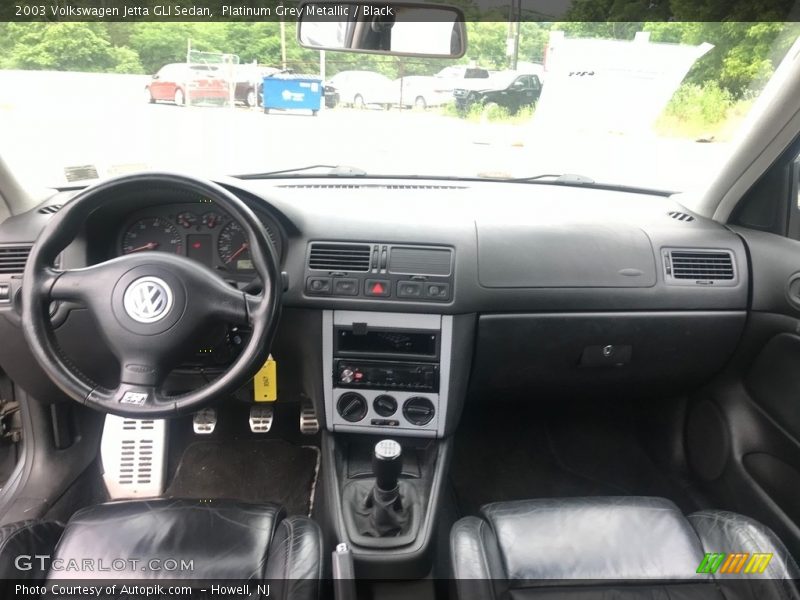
409, 376
386, 372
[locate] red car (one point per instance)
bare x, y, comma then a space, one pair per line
175, 82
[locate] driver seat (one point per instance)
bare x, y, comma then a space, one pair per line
171, 539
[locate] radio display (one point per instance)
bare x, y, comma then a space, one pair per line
387, 342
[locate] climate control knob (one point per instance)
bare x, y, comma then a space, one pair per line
419, 410
385, 405
352, 407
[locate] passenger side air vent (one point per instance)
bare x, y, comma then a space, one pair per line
681, 216
328, 256
13, 259
49, 210
699, 266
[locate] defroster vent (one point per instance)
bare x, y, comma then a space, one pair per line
699, 265
351, 258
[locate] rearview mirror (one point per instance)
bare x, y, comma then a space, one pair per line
394, 28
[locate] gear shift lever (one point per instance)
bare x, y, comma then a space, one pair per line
387, 464
383, 505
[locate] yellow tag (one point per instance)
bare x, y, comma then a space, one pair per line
265, 383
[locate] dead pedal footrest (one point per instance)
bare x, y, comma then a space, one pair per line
133, 453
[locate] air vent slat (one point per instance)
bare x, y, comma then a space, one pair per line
339, 257
681, 216
701, 266
13, 259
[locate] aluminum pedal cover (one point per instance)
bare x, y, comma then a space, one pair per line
309, 424
261, 418
133, 453
205, 421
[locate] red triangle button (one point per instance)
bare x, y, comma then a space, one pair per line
377, 288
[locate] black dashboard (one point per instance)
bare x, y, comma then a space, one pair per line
538, 278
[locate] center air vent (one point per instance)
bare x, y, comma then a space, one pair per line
13, 258
351, 258
699, 266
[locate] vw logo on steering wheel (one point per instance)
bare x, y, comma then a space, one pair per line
147, 300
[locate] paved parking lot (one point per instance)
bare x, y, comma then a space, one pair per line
52, 120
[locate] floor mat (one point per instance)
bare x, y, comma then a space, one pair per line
550, 454
248, 470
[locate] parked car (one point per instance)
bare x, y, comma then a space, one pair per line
175, 82
331, 95
510, 89
248, 82
422, 91
362, 88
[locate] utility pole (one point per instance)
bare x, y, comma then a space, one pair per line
512, 42
283, 44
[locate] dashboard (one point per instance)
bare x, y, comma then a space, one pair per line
522, 287
198, 230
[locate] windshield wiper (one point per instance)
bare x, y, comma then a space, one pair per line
559, 178
329, 171
573, 180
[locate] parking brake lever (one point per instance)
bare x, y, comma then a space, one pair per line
344, 578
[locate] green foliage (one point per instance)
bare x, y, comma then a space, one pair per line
702, 104
60, 46
480, 113
744, 55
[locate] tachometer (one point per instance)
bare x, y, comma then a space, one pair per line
233, 248
152, 233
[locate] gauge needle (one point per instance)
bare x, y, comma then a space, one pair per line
241, 249
147, 246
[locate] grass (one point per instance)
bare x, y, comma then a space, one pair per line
491, 113
707, 111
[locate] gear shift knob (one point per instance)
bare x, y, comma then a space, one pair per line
387, 464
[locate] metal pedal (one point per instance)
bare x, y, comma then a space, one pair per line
205, 421
309, 424
133, 453
261, 418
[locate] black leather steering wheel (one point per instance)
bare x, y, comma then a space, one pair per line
149, 306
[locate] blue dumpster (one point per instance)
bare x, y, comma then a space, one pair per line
292, 92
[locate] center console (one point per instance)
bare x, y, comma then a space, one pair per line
393, 384
386, 372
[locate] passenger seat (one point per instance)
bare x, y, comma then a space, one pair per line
615, 547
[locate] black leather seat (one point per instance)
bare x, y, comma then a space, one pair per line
616, 548
172, 539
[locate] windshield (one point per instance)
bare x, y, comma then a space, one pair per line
651, 105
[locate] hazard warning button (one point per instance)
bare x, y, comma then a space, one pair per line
377, 287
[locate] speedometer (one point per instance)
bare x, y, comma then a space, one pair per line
152, 233
233, 248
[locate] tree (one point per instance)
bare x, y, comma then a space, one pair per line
60, 46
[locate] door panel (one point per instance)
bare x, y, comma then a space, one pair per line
756, 417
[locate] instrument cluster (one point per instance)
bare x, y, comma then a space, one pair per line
197, 230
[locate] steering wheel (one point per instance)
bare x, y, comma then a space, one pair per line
148, 306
